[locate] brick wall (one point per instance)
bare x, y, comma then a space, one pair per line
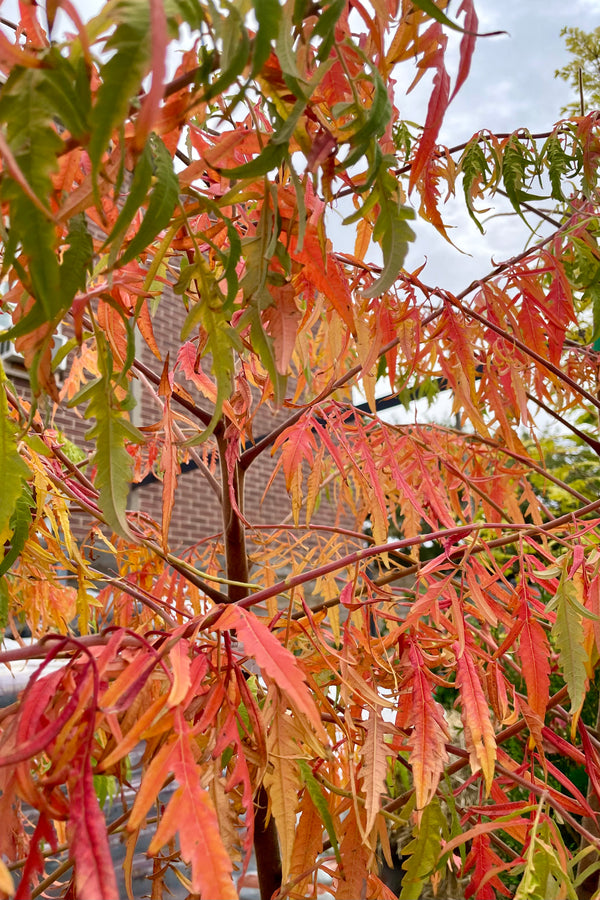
197, 512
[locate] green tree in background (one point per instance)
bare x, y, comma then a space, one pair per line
583, 72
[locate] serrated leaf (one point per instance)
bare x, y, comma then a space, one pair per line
308, 844
394, 246
535, 656
374, 766
221, 340
282, 782
428, 755
136, 195
438, 104
20, 522
479, 733
191, 814
14, 470
34, 143
162, 200
275, 660
568, 633
423, 851
114, 465
66, 88
320, 803
122, 75
544, 875
77, 259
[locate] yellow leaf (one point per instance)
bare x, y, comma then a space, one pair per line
282, 782
6, 883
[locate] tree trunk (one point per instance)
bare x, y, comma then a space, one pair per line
266, 842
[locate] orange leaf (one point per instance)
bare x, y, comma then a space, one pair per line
374, 765
159, 37
283, 319
308, 844
479, 734
355, 855
191, 813
275, 661
282, 781
534, 651
327, 276
169, 463
180, 662
428, 756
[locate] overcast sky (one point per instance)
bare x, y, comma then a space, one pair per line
511, 85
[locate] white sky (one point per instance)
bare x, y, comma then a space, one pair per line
511, 86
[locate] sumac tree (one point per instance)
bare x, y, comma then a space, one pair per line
306, 693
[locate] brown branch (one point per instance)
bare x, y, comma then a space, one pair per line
196, 411
208, 475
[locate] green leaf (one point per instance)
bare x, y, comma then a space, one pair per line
518, 166
32, 138
325, 27
569, 636
114, 465
4, 603
135, 197
235, 50
268, 16
163, 198
423, 851
19, 524
269, 159
395, 236
544, 876
373, 125
286, 53
77, 259
320, 803
221, 340
429, 7
474, 165
67, 90
14, 470
122, 75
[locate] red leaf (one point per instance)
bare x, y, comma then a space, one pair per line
479, 733
482, 858
428, 756
467, 44
438, 105
94, 872
535, 652
274, 660
44, 831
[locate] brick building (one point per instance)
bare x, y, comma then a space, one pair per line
197, 511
